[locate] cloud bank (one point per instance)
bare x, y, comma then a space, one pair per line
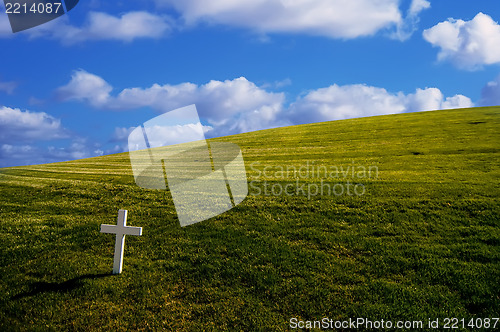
330, 18
238, 105
232, 106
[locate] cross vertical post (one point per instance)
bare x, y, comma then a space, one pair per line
120, 229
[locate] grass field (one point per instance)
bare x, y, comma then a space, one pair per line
423, 241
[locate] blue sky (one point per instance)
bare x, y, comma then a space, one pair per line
75, 87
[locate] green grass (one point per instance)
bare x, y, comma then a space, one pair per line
422, 242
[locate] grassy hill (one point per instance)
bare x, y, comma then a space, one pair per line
423, 241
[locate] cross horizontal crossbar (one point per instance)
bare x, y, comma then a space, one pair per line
127, 230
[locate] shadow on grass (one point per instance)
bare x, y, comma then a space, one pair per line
62, 287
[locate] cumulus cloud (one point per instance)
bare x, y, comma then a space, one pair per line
26, 126
100, 26
21, 133
331, 18
230, 106
351, 101
457, 101
429, 99
467, 44
343, 102
235, 104
87, 87
128, 27
490, 95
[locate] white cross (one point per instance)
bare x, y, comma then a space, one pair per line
121, 229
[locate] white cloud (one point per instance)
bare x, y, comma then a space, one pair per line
351, 101
467, 44
230, 106
422, 100
490, 95
417, 6
343, 102
100, 26
121, 134
457, 101
169, 135
127, 27
429, 99
331, 18
85, 87
406, 27
26, 126
163, 135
